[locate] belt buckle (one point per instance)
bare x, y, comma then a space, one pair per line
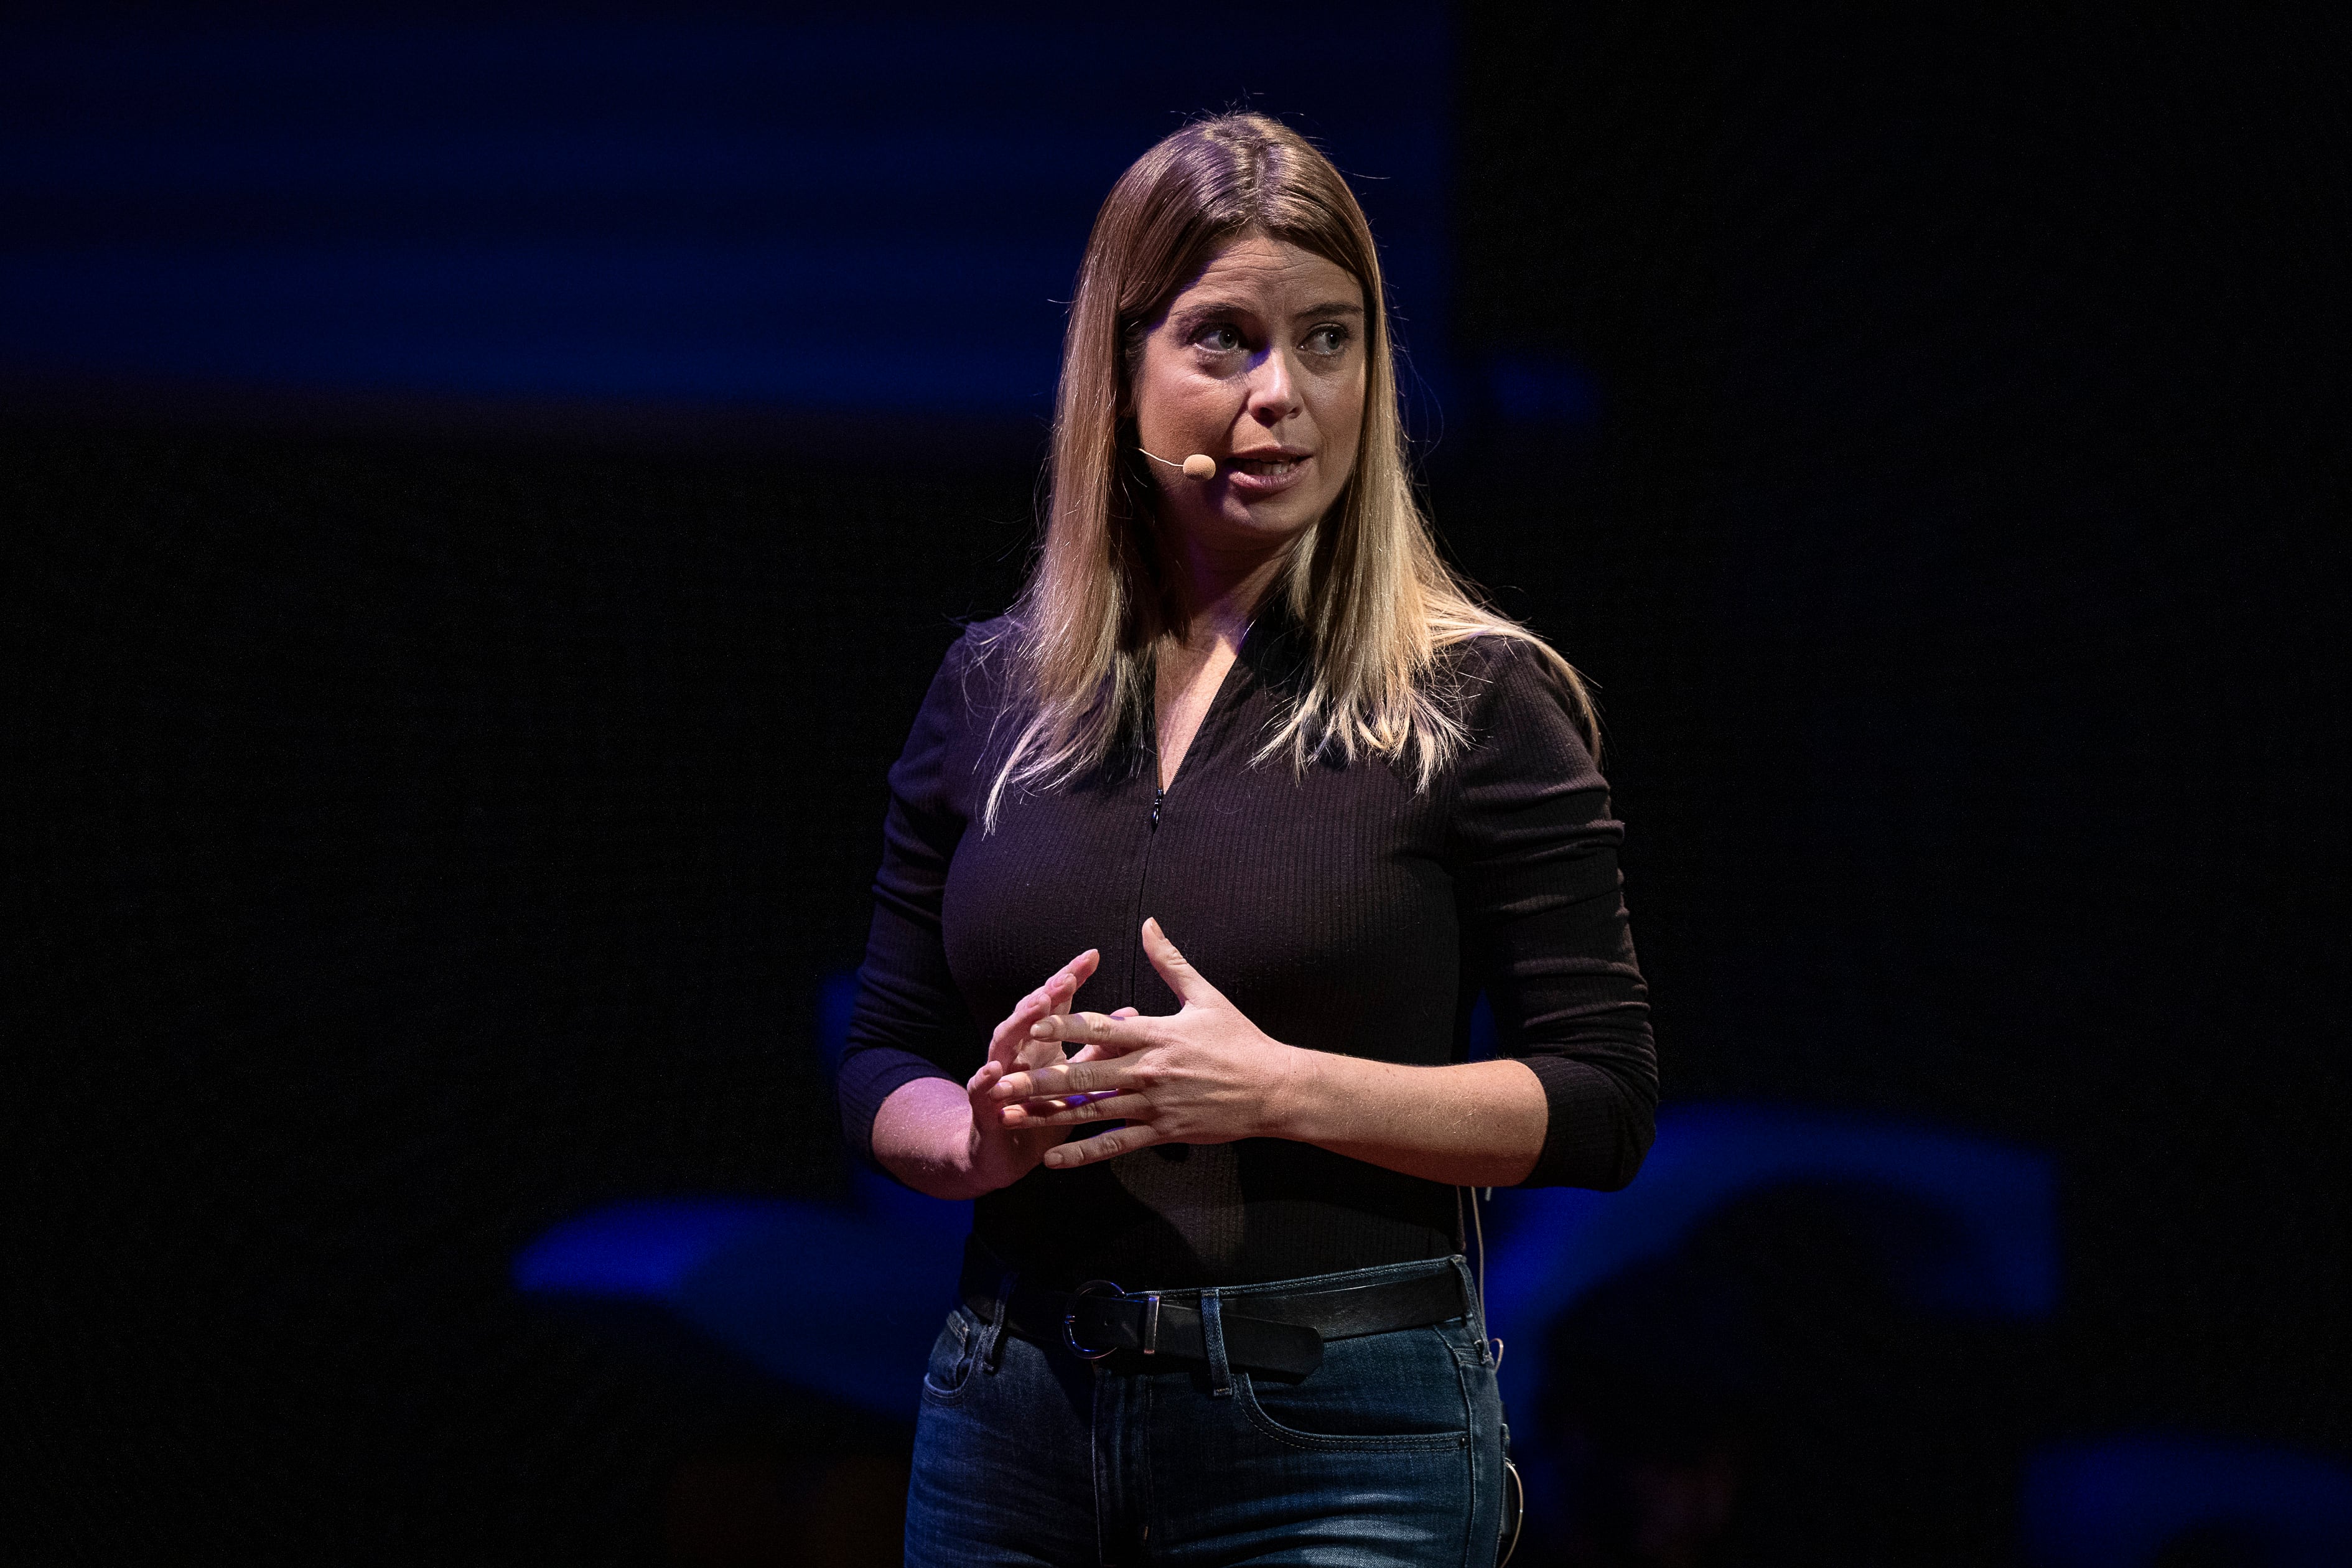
1070, 1319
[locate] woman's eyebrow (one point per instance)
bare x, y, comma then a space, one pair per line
1201, 309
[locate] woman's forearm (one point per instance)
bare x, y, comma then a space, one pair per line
1473, 1124
922, 1135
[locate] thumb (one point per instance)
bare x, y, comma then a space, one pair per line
1175, 968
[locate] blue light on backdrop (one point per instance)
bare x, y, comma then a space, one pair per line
704, 214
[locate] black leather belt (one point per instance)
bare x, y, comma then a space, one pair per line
1271, 1331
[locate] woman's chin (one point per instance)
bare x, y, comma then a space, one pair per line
1221, 519
1267, 523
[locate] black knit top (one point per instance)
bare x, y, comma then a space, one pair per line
1341, 910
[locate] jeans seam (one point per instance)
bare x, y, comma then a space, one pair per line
1245, 1395
967, 1363
991, 1351
1101, 1388
938, 1395
1137, 1454
1461, 1376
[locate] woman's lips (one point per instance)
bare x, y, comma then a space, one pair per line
1264, 476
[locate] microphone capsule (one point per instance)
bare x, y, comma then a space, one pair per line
1200, 466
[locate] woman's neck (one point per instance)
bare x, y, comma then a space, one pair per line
1223, 592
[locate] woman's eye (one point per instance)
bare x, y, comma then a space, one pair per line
1220, 339
1327, 340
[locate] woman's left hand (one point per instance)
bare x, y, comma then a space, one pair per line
1203, 1074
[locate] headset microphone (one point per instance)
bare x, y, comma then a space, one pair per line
1199, 465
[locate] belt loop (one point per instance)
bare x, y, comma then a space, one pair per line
1488, 1349
991, 1338
1477, 1303
1212, 1339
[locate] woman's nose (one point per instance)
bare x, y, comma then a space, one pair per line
1273, 389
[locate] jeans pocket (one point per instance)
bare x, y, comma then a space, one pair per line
1400, 1392
951, 1357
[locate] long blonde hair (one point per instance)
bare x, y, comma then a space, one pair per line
1376, 601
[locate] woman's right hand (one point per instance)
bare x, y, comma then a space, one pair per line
999, 1155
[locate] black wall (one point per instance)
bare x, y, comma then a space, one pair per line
1958, 553
419, 844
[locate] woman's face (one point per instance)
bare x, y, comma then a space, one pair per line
1259, 363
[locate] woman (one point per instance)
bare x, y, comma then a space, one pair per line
1214, 1310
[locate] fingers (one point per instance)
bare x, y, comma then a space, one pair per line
1055, 994
1105, 1105
1175, 969
1061, 1082
1097, 1053
1114, 1033
980, 1082
1037, 1005
1005, 1044
1057, 991
1062, 990
1064, 986
1052, 996
1091, 1151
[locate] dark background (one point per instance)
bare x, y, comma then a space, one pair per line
438, 791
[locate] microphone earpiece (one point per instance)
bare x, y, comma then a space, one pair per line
1199, 465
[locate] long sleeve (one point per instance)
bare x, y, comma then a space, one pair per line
910, 1021
1535, 854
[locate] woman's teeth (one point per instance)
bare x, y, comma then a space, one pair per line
1269, 467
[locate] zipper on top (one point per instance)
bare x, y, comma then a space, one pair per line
1227, 686
1134, 943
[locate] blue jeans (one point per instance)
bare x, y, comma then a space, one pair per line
1388, 1454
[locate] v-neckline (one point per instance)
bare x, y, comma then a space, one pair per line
1216, 701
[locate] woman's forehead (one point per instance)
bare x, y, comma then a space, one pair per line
1260, 270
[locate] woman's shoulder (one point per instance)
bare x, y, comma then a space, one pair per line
1493, 669
1479, 657
972, 672
1521, 701
964, 712
952, 731
995, 635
